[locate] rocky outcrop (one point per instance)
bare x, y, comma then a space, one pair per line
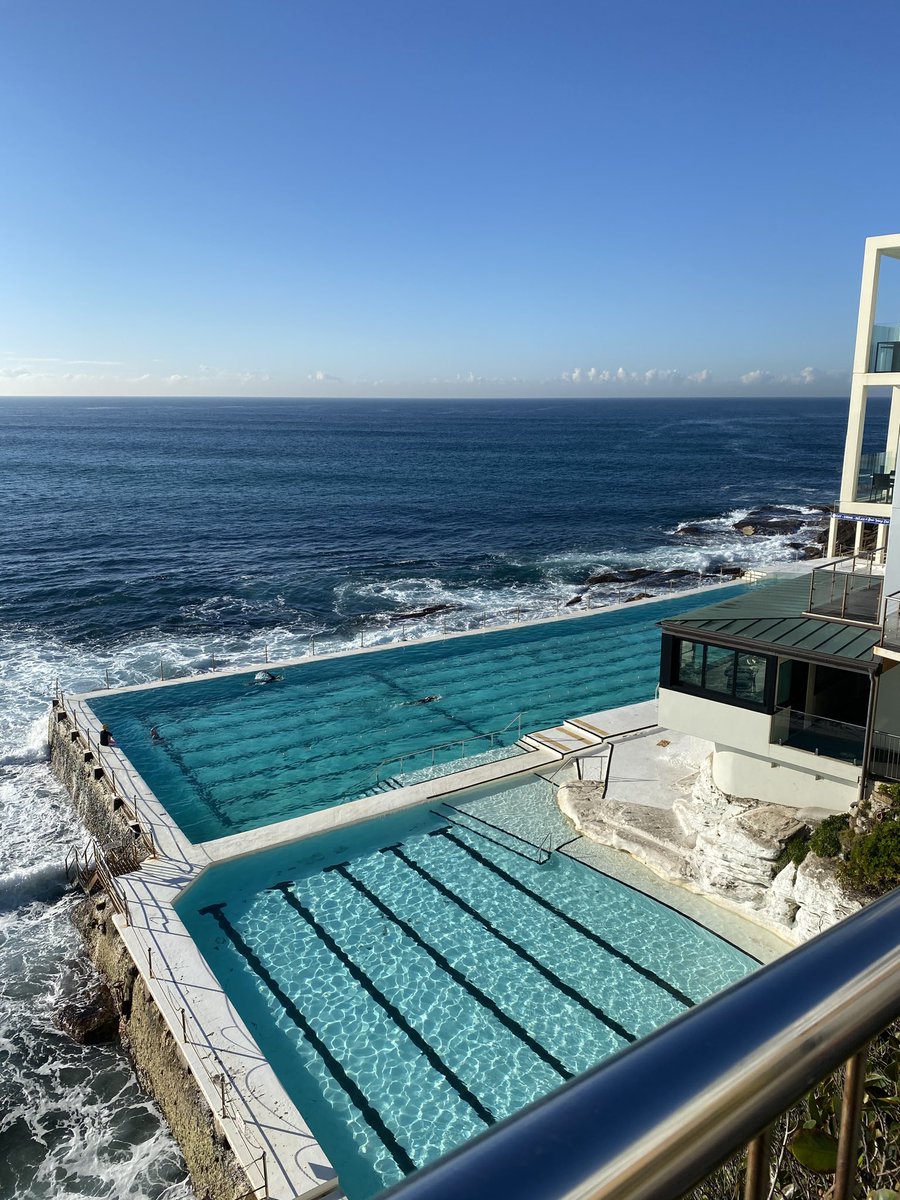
725, 847
821, 899
91, 1018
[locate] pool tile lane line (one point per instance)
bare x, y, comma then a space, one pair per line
572, 922
382, 1001
456, 975
361, 1103
543, 970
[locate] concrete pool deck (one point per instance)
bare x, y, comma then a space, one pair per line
250, 1107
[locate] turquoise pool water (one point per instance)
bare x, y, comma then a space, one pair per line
416, 979
235, 755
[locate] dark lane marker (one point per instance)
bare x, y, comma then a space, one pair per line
382, 1001
548, 974
571, 921
400, 1156
456, 975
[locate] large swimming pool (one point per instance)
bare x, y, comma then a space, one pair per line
232, 755
418, 978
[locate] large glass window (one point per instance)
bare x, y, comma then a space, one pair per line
718, 675
750, 678
719, 672
690, 663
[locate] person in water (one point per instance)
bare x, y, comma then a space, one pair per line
425, 700
266, 677
155, 735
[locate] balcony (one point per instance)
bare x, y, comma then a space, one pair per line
890, 629
848, 590
819, 735
884, 356
875, 481
884, 756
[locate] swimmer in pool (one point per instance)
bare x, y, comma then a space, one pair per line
266, 677
155, 735
425, 700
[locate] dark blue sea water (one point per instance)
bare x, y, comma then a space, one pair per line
134, 531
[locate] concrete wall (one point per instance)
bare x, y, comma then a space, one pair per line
746, 763
158, 1063
161, 1071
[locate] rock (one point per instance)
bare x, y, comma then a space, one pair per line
724, 846
428, 611
781, 903
691, 531
574, 600
93, 1018
822, 899
746, 530
627, 576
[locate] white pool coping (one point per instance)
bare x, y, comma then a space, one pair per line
258, 1114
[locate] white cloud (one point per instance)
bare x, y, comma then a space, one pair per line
704, 376
323, 377
756, 377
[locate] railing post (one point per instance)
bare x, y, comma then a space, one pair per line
184, 1036
266, 651
161, 675
848, 1138
360, 639
757, 1176
213, 658
150, 961
106, 673
222, 1093
265, 1174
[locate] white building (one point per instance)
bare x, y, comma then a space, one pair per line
794, 681
867, 481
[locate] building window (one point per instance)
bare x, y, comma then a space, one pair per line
732, 676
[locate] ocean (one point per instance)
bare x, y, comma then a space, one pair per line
137, 532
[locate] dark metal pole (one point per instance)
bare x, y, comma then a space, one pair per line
869, 735
848, 1138
757, 1179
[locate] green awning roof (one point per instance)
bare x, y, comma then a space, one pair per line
771, 618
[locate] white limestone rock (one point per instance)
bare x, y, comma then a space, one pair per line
822, 900
724, 846
780, 904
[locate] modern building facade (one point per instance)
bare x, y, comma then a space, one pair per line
867, 481
795, 682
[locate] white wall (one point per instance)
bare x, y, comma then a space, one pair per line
743, 756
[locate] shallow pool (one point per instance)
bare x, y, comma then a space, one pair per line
233, 755
418, 978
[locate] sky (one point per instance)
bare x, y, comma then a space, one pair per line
466, 198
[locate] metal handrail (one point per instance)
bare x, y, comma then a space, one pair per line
658, 1117
432, 750
541, 849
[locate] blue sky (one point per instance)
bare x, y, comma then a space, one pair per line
405, 197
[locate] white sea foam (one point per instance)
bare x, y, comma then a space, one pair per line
72, 1118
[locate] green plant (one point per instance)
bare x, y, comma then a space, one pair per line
794, 850
826, 841
873, 863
